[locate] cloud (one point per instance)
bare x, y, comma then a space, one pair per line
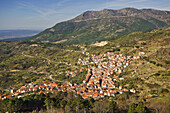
43, 17
42, 12
62, 2
164, 8
118, 4
122, 3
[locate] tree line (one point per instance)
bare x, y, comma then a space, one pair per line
65, 102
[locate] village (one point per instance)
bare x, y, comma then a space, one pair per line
98, 82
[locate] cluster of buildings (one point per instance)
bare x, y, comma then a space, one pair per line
109, 62
98, 82
71, 73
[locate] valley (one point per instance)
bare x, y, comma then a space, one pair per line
130, 69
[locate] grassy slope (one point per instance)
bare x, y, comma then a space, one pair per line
152, 72
86, 32
20, 63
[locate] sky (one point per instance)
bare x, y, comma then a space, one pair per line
42, 14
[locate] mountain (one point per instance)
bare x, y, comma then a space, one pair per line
17, 34
93, 26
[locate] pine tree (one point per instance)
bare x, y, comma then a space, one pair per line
132, 108
141, 108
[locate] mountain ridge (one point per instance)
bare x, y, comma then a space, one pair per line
92, 26
122, 12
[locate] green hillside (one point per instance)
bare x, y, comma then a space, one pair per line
93, 26
24, 62
46, 56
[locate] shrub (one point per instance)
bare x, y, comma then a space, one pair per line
164, 91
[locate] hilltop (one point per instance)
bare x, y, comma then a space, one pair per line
92, 26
